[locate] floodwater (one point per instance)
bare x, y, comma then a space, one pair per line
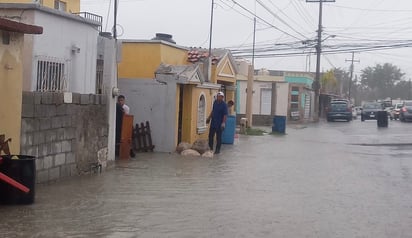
317, 181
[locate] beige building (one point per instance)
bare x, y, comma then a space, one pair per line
11, 78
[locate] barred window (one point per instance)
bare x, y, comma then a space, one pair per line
99, 76
60, 5
201, 115
51, 76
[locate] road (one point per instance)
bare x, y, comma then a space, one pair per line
341, 179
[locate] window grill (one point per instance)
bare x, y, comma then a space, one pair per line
52, 74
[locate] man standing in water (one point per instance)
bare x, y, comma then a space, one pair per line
218, 116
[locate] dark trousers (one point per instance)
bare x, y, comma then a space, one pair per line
218, 132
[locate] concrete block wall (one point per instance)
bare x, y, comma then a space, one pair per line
64, 137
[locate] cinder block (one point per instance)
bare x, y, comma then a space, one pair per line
32, 151
69, 133
66, 121
57, 122
70, 158
44, 149
55, 148
65, 171
39, 138
74, 170
37, 97
42, 176
51, 111
26, 139
58, 98
27, 111
39, 164
59, 159
54, 173
51, 135
76, 98
47, 98
45, 123
72, 109
84, 99
61, 109
29, 125
48, 162
66, 146
74, 144
40, 110
27, 97
60, 134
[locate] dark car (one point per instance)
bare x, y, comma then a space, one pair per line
406, 111
339, 110
370, 110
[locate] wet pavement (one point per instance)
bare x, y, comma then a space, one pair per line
324, 180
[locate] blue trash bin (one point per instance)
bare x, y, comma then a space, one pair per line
228, 135
279, 124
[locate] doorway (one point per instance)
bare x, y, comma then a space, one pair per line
180, 119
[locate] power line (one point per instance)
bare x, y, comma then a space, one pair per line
371, 10
277, 17
263, 20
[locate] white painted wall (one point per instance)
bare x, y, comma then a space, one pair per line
59, 35
107, 48
282, 99
256, 99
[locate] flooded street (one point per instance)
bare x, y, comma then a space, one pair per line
324, 180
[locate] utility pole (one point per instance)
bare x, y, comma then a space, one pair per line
316, 83
351, 73
409, 91
115, 20
251, 76
209, 63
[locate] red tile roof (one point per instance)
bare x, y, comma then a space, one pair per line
13, 26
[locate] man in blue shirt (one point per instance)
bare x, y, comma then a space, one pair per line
218, 116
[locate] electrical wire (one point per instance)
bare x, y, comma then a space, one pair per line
263, 20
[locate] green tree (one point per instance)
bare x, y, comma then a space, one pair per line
328, 82
343, 78
380, 80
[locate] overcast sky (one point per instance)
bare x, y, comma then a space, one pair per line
282, 26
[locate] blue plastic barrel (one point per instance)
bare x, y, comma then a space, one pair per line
228, 135
279, 124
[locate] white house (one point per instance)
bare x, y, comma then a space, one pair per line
64, 57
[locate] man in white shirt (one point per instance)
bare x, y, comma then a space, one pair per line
121, 100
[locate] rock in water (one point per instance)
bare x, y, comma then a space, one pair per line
190, 152
183, 146
201, 146
208, 154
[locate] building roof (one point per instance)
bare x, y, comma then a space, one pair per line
34, 6
154, 42
182, 73
13, 26
198, 54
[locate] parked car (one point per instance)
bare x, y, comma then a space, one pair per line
396, 110
370, 110
406, 111
358, 110
339, 110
